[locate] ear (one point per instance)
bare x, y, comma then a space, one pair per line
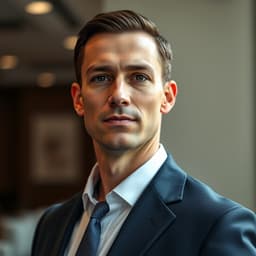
170, 93
78, 101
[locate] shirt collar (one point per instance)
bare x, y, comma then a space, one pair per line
132, 187
88, 194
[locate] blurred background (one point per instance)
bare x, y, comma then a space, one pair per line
45, 154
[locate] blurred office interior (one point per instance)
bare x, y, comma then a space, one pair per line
45, 154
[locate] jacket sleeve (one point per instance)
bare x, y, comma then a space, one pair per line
233, 234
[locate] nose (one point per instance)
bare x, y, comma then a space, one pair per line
119, 94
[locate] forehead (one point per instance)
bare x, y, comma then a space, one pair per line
127, 45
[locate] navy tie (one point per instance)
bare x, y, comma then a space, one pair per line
91, 238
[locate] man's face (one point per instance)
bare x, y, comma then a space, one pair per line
122, 96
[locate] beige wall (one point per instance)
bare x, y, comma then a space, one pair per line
210, 132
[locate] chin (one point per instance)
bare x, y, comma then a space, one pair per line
121, 144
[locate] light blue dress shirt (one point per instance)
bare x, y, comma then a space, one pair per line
121, 200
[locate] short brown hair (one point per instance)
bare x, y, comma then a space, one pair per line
119, 22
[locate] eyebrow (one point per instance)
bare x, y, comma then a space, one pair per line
140, 66
128, 67
99, 68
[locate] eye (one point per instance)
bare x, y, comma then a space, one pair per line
101, 78
140, 77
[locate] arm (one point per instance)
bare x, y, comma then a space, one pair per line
233, 234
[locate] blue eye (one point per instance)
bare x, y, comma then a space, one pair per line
101, 78
140, 78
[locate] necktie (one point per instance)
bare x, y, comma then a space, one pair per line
91, 238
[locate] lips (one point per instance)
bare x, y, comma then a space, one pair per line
119, 118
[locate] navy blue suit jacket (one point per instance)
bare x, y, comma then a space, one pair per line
176, 215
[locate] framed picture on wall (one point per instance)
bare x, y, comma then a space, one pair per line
54, 145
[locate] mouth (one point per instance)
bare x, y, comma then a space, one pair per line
119, 119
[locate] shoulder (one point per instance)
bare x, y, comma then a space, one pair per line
58, 211
227, 227
54, 221
218, 224
198, 204
195, 194
198, 195
230, 228
204, 205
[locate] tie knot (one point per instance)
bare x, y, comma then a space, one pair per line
100, 210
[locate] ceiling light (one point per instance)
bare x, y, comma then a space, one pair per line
8, 61
46, 79
39, 7
70, 42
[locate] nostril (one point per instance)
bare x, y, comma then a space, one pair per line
117, 101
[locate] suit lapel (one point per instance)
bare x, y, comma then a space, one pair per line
150, 216
148, 219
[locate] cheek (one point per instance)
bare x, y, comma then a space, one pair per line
151, 104
92, 102
150, 113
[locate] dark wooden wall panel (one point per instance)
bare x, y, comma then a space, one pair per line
17, 107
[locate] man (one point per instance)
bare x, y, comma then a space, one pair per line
123, 88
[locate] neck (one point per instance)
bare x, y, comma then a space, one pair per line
114, 168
